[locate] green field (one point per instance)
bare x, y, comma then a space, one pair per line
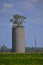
21, 58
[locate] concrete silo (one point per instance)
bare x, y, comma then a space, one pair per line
18, 39
18, 34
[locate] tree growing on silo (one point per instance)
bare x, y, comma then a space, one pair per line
18, 33
17, 20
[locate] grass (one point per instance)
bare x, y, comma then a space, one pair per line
21, 58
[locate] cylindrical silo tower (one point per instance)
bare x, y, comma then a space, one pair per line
18, 39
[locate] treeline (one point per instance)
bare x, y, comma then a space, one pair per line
27, 49
33, 49
5, 49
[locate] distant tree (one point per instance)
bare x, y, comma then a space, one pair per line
17, 20
3, 48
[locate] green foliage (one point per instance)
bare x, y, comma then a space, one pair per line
17, 20
21, 59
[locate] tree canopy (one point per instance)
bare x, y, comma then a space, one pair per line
17, 20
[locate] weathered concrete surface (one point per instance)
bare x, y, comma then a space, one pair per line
18, 39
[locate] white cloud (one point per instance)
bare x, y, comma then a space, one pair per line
35, 20
34, 1
26, 4
8, 5
34, 8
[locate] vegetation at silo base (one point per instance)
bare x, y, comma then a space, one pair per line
21, 58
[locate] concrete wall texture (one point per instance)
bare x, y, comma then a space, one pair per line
18, 39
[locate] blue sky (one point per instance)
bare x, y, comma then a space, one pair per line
33, 10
